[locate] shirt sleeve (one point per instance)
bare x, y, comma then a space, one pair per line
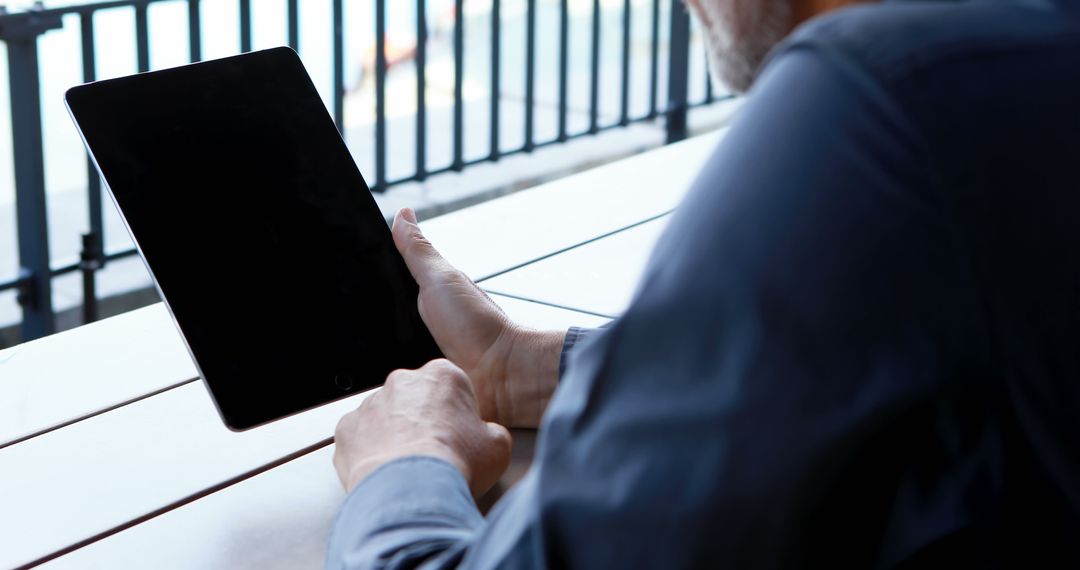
791, 313
410, 512
574, 336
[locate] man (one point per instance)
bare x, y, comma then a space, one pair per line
856, 345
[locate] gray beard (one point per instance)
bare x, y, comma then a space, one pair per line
741, 36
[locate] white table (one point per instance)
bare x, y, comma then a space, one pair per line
111, 454
597, 277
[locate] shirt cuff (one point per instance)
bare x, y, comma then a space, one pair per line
401, 510
574, 336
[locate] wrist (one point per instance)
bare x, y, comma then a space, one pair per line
531, 373
365, 467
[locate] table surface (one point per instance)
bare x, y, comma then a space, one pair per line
111, 452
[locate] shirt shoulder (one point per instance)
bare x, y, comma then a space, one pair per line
895, 40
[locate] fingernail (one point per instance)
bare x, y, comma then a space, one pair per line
409, 215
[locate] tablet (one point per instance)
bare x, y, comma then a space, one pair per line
258, 229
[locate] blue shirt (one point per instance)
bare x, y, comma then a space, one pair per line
856, 345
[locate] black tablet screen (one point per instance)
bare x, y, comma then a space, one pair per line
261, 233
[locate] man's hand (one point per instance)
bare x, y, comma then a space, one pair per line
514, 370
431, 411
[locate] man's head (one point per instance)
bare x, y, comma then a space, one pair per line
740, 33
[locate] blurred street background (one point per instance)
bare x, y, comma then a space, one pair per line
61, 67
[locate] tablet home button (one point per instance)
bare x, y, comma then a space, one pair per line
343, 381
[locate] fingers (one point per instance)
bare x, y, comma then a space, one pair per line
428, 411
493, 460
424, 261
443, 368
439, 379
500, 437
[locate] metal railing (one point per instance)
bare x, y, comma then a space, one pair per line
21, 31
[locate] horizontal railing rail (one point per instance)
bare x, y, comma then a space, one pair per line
20, 32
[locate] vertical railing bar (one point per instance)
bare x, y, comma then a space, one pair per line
459, 68
421, 90
564, 71
245, 26
530, 74
93, 252
142, 36
380, 95
338, 98
93, 180
654, 71
294, 24
678, 74
194, 31
89, 264
709, 98
594, 80
624, 117
496, 96
32, 221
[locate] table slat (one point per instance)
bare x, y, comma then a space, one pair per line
279, 519
502, 234
599, 277
57, 379
74, 483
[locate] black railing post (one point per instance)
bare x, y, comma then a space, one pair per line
530, 75
89, 264
594, 69
293, 10
564, 65
678, 76
20, 33
194, 31
142, 35
421, 90
339, 65
93, 249
380, 96
245, 26
496, 93
654, 61
457, 164
624, 100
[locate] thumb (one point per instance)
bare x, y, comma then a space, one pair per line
423, 261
